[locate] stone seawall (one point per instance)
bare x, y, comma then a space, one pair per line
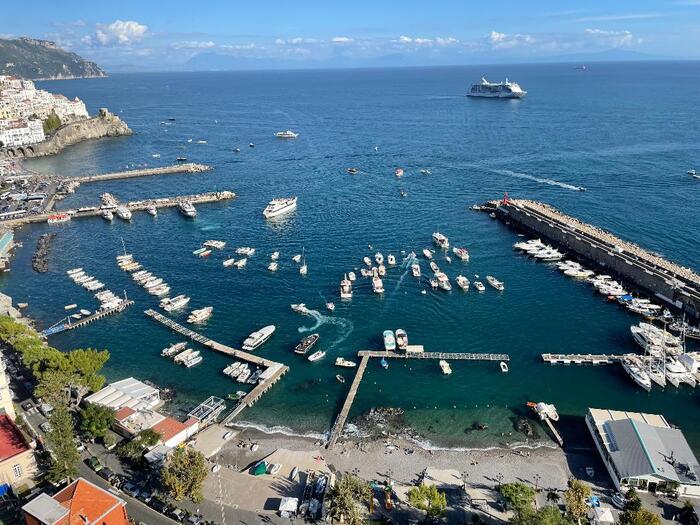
104, 125
677, 288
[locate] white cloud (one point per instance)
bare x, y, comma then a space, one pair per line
193, 44
446, 41
612, 38
342, 40
118, 33
239, 46
617, 18
296, 41
504, 41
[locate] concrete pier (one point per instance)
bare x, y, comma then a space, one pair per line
188, 167
62, 327
669, 282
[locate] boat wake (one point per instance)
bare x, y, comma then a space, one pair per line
345, 326
551, 182
406, 267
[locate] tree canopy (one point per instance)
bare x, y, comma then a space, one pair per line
519, 496
61, 438
429, 499
639, 517
135, 448
184, 474
345, 499
52, 123
575, 498
95, 420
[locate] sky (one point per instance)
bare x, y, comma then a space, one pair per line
181, 35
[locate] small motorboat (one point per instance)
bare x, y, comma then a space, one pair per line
352, 171
479, 286
691, 172
384, 363
498, 285
504, 367
340, 378
330, 306
352, 276
251, 145
425, 172
294, 473
367, 261
427, 253
319, 354
274, 256
236, 150
272, 266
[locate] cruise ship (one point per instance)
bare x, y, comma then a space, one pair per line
277, 207
496, 90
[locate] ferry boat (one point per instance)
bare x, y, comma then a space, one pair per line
345, 288
445, 367
306, 344
441, 240
389, 341
461, 253
401, 339
187, 209
487, 89
277, 207
257, 338
345, 363
58, 218
287, 134
320, 354
124, 213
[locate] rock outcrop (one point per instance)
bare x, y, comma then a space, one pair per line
104, 125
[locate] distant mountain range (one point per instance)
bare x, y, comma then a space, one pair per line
42, 59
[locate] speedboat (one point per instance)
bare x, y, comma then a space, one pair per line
245, 250
124, 213
319, 354
367, 261
398, 172
306, 344
340, 378
377, 285
173, 349
272, 266
462, 282
201, 315
352, 276
187, 209
300, 308
176, 303
441, 240
389, 341
287, 134
379, 258
504, 366
391, 260
425, 172
461, 253
345, 363
229, 262
274, 256
352, 171
384, 363
401, 339
330, 306
258, 337
498, 285
107, 215
545, 410
427, 253
277, 207
345, 288
415, 269
479, 286
434, 267
443, 281
381, 270
240, 263
445, 367
152, 211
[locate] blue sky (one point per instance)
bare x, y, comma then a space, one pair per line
149, 35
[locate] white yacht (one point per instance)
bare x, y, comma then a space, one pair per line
487, 89
319, 354
379, 258
201, 315
124, 213
345, 288
635, 370
274, 256
427, 253
389, 341
377, 285
498, 285
381, 270
441, 240
676, 373
107, 215
390, 260
445, 367
367, 261
287, 134
245, 250
152, 211
187, 209
277, 207
415, 269
272, 266
175, 303
345, 363
257, 338
240, 263
461, 253
462, 282
479, 286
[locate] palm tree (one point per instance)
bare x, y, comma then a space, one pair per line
345, 498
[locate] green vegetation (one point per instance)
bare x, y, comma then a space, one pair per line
521, 498
135, 448
184, 475
575, 498
345, 500
639, 517
429, 499
51, 123
31, 58
61, 438
95, 420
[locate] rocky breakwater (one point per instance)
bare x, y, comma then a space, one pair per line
105, 124
40, 259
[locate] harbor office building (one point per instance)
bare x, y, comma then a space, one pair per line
644, 452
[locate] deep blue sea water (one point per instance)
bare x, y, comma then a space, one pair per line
627, 132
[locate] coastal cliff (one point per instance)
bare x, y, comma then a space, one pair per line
105, 124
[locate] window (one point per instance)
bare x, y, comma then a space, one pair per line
17, 470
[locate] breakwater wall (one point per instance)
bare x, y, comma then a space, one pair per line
189, 167
670, 282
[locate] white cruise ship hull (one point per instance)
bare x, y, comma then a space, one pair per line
497, 95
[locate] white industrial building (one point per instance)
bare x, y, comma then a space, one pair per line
129, 392
645, 452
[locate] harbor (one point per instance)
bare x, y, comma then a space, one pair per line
671, 283
67, 324
187, 167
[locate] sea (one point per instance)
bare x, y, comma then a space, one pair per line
627, 132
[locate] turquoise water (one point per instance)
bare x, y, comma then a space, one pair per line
606, 129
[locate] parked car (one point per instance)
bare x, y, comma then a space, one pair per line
619, 500
177, 514
145, 496
194, 520
94, 463
27, 405
158, 505
130, 489
45, 427
106, 474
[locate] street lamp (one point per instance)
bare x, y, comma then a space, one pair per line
499, 477
537, 482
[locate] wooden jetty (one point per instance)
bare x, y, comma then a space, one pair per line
584, 359
366, 355
277, 369
100, 314
188, 167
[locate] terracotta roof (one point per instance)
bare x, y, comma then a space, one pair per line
86, 501
123, 413
12, 442
168, 428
